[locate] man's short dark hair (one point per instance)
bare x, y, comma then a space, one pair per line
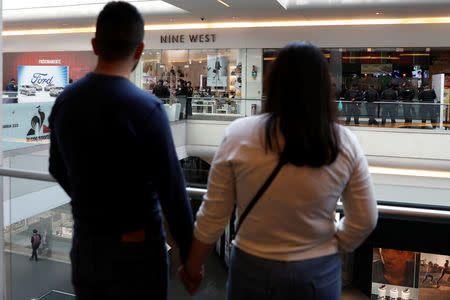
34, 230
119, 30
161, 81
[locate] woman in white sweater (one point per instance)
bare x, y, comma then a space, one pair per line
288, 244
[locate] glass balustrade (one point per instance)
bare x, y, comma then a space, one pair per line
44, 206
421, 115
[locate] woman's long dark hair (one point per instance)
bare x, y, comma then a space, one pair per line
299, 103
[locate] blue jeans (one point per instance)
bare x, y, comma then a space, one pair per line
251, 277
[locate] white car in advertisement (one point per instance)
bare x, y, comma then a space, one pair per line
49, 87
28, 90
56, 91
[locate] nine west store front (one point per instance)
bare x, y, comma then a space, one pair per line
229, 63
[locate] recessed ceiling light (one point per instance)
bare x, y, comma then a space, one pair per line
378, 13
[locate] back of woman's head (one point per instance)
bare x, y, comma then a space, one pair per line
299, 104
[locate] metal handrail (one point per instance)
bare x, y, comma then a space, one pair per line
421, 213
393, 102
26, 174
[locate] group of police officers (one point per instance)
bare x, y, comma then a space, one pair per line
389, 99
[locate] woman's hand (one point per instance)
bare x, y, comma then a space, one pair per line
191, 281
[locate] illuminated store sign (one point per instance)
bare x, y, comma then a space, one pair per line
192, 38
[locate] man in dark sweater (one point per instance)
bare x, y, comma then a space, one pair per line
112, 152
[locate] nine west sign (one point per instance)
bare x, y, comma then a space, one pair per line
192, 38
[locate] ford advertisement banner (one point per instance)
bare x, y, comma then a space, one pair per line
41, 83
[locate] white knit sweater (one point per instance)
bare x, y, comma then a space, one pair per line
294, 219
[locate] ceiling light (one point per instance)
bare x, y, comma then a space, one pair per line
378, 13
231, 25
415, 54
409, 172
221, 2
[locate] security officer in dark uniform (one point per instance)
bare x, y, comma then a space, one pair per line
407, 95
428, 95
388, 110
190, 95
351, 108
160, 90
371, 95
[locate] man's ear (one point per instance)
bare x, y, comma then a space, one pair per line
94, 46
138, 52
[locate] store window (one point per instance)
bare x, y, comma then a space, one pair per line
203, 82
215, 72
408, 71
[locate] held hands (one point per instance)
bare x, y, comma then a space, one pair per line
190, 281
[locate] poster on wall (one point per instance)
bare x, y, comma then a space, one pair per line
41, 83
25, 125
217, 71
409, 275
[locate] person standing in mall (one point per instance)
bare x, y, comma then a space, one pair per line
189, 96
353, 96
428, 110
285, 170
371, 95
407, 95
35, 243
160, 90
181, 94
12, 85
387, 109
112, 151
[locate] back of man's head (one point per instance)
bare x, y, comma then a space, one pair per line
119, 30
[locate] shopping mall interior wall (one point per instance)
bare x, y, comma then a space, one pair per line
419, 35
79, 62
392, 143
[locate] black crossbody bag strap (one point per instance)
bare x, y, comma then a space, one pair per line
258, 195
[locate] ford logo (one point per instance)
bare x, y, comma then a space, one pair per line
39, 78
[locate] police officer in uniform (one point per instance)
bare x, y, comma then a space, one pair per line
427, 95
160, 90
407, 95
190, 94
388, 110
352, 109
371, 95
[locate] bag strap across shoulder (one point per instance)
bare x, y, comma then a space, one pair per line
258, 195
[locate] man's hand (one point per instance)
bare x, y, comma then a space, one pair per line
191, 282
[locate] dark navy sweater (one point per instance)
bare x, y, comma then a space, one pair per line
112, 152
